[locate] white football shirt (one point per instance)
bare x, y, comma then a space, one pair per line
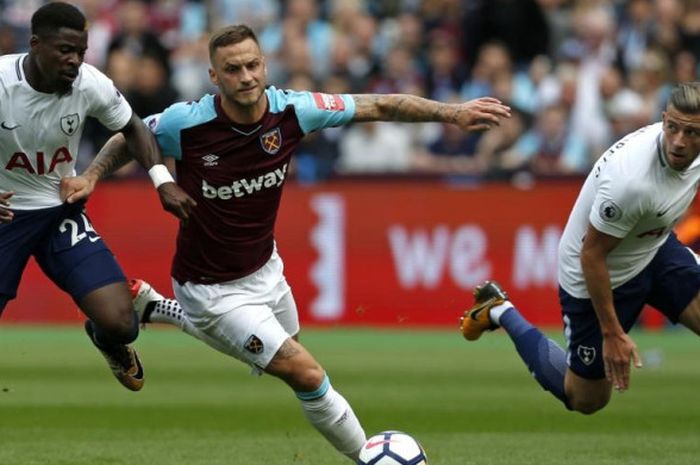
40, 132
631, 194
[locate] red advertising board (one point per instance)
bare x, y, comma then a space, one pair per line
359, 253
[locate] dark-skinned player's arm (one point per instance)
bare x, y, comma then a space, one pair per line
134, 141
474, 115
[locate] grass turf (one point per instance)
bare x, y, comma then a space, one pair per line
468, 403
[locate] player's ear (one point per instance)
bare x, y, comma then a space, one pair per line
213, 77
33, 41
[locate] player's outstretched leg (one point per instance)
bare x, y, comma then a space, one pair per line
333, 417
121, 358
545, 359
324, 407
152, 307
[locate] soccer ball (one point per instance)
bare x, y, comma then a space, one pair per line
392, 448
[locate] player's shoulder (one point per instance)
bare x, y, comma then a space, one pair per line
93, 82
90, 75
628, 162
302, 99
280, 99
643, 140
633, 154
10, 71
188, 114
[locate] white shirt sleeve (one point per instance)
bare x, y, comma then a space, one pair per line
618, 205
107, 104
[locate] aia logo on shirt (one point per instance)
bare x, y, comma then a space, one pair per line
329, 102
39, 163
271, 141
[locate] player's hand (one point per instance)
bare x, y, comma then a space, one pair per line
75, 188
618, 351
6, 214
481, 114
176, 201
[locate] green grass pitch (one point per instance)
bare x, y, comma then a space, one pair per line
468, 403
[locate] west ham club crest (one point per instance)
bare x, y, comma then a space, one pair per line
271, 141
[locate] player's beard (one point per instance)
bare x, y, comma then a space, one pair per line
249, 99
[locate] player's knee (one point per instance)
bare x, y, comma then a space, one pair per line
588, 405
125, 328
303, 377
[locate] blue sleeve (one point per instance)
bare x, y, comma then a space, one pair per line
163, 127
167, 126
314, 110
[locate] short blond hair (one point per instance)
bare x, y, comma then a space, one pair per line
685, 97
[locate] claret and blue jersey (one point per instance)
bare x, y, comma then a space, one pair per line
236, 172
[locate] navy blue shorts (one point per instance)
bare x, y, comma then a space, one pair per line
63, 243
669, 283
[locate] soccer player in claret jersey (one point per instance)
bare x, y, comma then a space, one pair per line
45, 96
618, 252
232, 153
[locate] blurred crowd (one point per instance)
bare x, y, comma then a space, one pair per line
578, 74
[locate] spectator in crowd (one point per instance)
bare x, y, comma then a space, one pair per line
376, 148
135, 35
102, 25
453, 152
550, 148
301, 21
578, 54
190, 64
445, 73
627, 113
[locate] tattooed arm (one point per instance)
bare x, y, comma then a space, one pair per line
113, 155
110, 158
474, 115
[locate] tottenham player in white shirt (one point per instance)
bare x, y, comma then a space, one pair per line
618, 252
45, 96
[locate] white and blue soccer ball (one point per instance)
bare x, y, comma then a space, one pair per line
392, 448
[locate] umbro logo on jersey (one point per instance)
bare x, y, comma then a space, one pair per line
210, 160
70, 123
4, 125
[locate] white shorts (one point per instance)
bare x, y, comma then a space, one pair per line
248, 318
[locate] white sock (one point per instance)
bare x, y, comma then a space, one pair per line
496, 312
170, 312
333, 417
167, 311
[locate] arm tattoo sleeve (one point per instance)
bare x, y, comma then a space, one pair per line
110, 158
401, 107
